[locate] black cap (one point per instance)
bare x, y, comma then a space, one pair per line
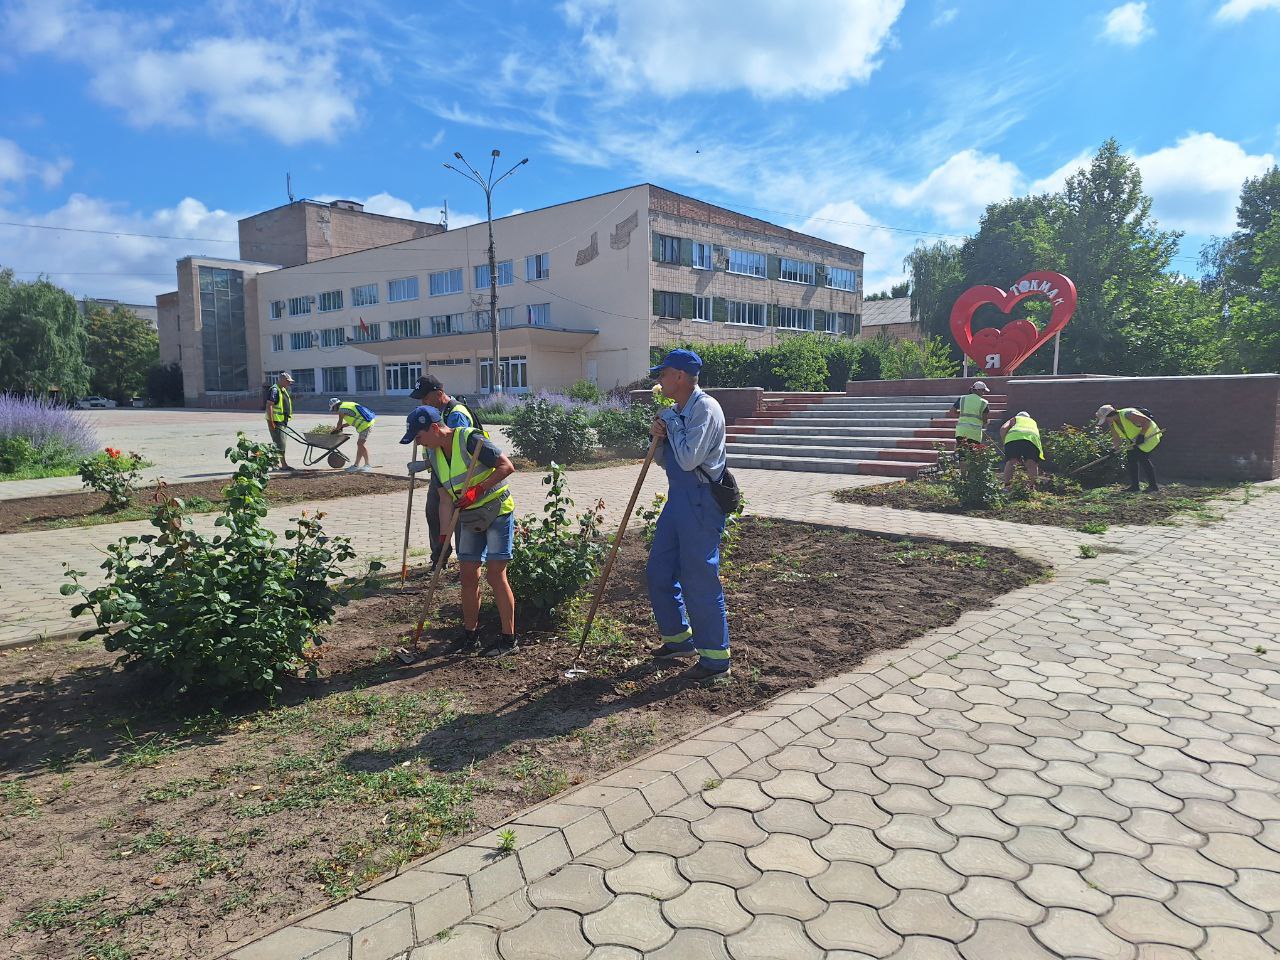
427, 384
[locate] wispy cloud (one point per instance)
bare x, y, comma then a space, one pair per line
16, 165
1235, 10
1128, 24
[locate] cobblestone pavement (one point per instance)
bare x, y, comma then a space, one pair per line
1089, 770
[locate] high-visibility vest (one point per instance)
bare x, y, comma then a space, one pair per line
356, 415
451, 471
973, 411
1024, 428
1131, 431
457, 406
282, 409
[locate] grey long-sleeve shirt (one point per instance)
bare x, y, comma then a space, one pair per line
696, 435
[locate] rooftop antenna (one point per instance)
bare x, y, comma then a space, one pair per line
288, 185
444, 214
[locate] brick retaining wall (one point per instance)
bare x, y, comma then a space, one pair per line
736, 402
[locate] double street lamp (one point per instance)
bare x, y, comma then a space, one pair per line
487, 184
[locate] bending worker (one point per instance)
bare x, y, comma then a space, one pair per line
361, 419
684, 561
1021, 438
487, 524
971, 411
279, 413
1140, 434
455, 415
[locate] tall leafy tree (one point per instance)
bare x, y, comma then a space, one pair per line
121, 348
42, 338
937, 278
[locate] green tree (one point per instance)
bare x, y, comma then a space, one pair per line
895, 291
121, 348
937, 278
42, 338
1180, 333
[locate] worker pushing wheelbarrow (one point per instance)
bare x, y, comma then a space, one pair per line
317, 445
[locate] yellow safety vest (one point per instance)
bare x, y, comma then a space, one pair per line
352, 412
457, 406
282, 409
451, 471
1131, 431
972, 416
1024, 428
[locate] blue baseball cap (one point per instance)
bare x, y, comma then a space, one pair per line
421, 418
685, 360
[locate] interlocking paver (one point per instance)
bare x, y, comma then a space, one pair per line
719, 862
797, 785
575, 887
1044, 845
1224, 943
1184, 864
855, 882
629, 921
966, 821
926, 913
848, 806
990, 898
1055, 886
550, 934
651, 874
1002, 938
1155, 826
1138, 920
770, 937
1237, 852
1105, 836
711, 906
466, 941
739, 793
1258, 888
784, 851
922, 869
793, 816
730, 825
1204, 904
1075, 934
849, 842
1033, 812
977, 856
668, 835
690, 943
782, 893
853, 926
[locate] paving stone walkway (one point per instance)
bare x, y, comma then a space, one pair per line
1089, 770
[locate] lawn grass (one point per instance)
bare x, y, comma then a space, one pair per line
40, 473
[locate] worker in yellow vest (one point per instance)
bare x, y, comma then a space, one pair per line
279, 413
486, 527
361, 420
1021, 438
1137, 434
971, 413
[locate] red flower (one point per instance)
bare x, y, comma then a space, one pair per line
113, 453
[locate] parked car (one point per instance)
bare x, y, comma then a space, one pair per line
92, 403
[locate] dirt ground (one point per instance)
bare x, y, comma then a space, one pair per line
133, 832
1055, 505
26, 514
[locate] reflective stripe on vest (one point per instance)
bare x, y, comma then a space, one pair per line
1131, 431
282, 409
352, 413
452, 472
1024, 428
972, 410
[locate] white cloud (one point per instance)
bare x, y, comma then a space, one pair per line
673, 47
17, 165
290, 89
944, 16
1056, 180
959, 190
1236, 10
1128, 24
1196, 183
846, 222
390, 205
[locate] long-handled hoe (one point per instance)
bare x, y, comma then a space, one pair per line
575, 670
408, 521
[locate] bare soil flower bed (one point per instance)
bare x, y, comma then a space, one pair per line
133, 831
26, 514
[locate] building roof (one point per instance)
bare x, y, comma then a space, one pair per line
878, 313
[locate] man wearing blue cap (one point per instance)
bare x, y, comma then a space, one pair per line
684, 562
486, 526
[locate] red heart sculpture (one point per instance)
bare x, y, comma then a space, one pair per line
1000, 351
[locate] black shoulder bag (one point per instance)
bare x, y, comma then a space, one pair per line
727, 493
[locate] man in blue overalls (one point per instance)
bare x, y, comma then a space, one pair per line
684, 561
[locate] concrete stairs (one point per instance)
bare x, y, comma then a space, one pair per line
835, 433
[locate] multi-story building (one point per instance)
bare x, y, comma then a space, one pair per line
144, 311
585, 290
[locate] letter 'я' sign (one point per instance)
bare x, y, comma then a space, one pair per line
998, 351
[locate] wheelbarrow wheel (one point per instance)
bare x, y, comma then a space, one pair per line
336, 460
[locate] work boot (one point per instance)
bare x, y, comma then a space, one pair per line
505, 644
466, 642
1133, 489
667, 653
705, 677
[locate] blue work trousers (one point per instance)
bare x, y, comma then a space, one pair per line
684, 572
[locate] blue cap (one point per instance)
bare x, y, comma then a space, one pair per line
421, 418
685, 360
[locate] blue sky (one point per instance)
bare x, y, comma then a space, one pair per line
875, 123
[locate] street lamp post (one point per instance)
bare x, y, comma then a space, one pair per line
487, 184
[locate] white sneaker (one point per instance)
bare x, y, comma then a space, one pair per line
365, 469
352, 469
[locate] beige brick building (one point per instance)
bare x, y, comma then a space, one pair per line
585, 290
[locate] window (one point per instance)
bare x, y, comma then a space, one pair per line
447, 323
304, 381
748, 263
539, 314
450, 362
842, 278
537, 267
445, 282
506, 275
669, 305
277, 309
402, 377
506, 318
334, 379
406, 328
364, 296
330, 300
702, 309
702, 256
271, 376
668, 249
370, 331
277, 342
367, 378
299, 306
795, 318
301, 340
403, 289
333, 337
748, 313
515, 374
796, 271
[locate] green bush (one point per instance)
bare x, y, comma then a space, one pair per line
555, 555
802, 361
546, 432
914, 359
798, 363
584, 391
223, 615
626, 430
1072, 447
16, 453
973, 481
114, 473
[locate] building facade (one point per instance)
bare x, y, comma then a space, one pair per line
585, 289
890, 318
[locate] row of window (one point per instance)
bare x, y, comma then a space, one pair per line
401, 377
682, 251
685, 306
533, 315
439, 284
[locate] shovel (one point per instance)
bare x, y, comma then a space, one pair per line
408, 521
575, 670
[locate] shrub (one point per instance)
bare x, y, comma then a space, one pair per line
625, 430
584, 391
554, 556
914, 359
545, 432
972, 479
49, 436
222, 615
798, 363
1071, 448
648, 517
114, 473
